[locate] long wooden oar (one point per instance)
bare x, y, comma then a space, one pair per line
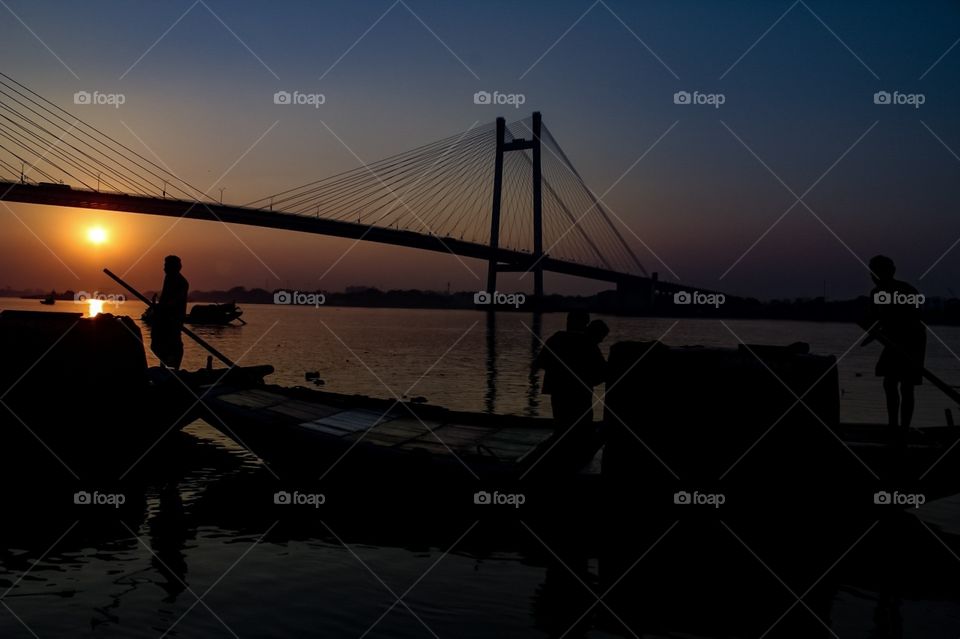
881, 337
223, 358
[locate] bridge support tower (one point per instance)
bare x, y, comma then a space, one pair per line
503, 147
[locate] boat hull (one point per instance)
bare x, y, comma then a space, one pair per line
310, 434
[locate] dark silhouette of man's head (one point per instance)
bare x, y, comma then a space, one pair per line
882, 269
172, 264
598, 330
577, 321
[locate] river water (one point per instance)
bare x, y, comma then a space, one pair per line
195, 561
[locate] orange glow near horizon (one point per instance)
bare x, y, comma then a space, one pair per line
46, 248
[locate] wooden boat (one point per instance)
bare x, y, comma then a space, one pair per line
761, 422
306, 433
681, 419
80, 388
214, 314
205, 315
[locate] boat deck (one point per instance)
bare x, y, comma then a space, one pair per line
304, 429
395, 426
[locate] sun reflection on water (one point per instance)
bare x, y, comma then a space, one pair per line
94, 307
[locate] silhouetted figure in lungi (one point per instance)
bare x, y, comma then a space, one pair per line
168, 315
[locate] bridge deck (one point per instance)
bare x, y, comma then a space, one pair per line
62, 195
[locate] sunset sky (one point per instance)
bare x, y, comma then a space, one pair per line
798, 119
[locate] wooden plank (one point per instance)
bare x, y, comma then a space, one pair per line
506, 445
357, 419
323, 429
264, 394
460, 431
458, 437
408, 428
432, 446
526, 436
380, 439
393, 432
507, 451
248, 399
303, 411
347, 422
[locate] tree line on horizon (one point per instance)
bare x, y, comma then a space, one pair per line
935, 310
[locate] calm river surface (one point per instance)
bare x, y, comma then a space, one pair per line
186, 567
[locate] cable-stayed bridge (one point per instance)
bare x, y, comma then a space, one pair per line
503, 193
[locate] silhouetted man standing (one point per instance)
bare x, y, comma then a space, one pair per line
895, 313
168, 315
573, 365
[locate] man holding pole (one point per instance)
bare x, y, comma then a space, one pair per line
896, 323
168, 315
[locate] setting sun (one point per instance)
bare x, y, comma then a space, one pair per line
96, 235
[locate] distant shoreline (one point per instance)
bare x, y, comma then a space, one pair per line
936, 311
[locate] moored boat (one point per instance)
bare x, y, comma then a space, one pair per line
308, 433
214, 314
759, 425
78, 393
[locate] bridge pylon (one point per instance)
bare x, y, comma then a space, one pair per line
503, 147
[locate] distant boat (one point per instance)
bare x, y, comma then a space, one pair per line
49, 300
220, 314
206, 314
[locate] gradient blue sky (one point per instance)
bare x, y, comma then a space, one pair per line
799, 99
